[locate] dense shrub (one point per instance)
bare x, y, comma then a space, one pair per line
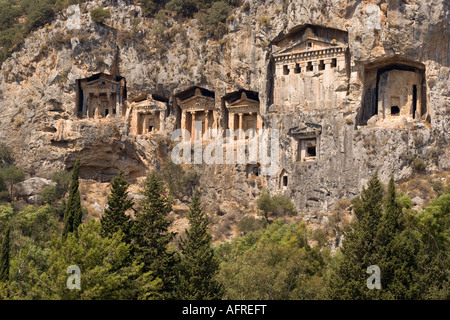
213, 20
185, 8
438, 186
180, 183
99, 14
38, 14
49, 195
419, 166
276, 206
249, 224
148, 8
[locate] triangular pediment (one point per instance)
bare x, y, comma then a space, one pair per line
306, 130
302, 46
197, 102
150, 103
244, 102
100, 82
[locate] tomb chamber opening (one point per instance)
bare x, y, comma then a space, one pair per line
393, 89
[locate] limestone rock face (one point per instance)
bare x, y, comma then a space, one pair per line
30, 189
38, 92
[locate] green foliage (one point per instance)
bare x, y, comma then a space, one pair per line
418, 165
438, 186
404, 201
6, 156
249, 224
73, 213
49, 195
4, 256
106, 270
115, 217
276, 263
148, 8
11, 176
408, 246
151, 236
181, 183
99, 14
348, 279
185, 8
447, 188
198, 266
62, 179
212, 21
276, 206
38, 14
31, 230
6, 213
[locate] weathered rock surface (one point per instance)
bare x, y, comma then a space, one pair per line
30, 189
37, 94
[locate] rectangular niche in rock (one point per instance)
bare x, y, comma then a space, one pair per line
394, 91
308, 150
307, 138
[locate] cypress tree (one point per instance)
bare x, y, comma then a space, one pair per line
151, 236
4, 256
388, 230
348, 279
115, 218
390, 224
199, 266
73, 213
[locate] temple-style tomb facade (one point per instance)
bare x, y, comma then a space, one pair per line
198, 105
148, 115
101, 95
243, 113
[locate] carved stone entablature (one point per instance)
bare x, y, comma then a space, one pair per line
306, 130
198, 102
310, 55
149, 105
244, 105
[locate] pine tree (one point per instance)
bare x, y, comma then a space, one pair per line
4, 257
199, 266
348, 281
150, 233
115, 218
73, 213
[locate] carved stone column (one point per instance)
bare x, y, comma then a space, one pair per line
162, 118
231, 121
206, 134
315, 66
118, 107
192, 125
241, 130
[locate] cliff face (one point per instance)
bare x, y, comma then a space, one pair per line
39, 111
